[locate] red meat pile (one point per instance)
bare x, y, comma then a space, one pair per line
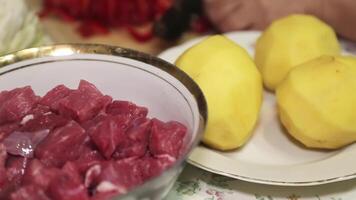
99, 15
79, 144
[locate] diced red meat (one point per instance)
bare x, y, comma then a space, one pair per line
40, 110
7, 129
79, 145
15, 169
11, 176
3, 157
53, 97
93, 122
88, 159
117, 177
61, 145
129, 173
167, 138
30, 192
16, 103
104, 102
48, 121
7, 190
67, 187
126, 108
36, 112
89, 88
109, 133
151, 167
38, 174
72, 170
136, 142
84, 103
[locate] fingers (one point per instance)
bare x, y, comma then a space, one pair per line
219, 10
228, 15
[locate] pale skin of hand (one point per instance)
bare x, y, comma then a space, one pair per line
229, 15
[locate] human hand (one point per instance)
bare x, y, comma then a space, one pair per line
228, 15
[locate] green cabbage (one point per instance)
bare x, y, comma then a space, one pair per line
19, 27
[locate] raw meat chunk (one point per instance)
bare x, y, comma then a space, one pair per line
84, 103
88, 159
7, 129
48, 121
30, 192
167, 138
71, 170
80, 145
109, 133
126, 108
39, 110
53, 97
93, 122
117, 177
129, 173
16, 103
12, 175
67, 186
36, 112
151, 167
136, 142
15, 169
89, 88
3, 157
38, 174
61, 145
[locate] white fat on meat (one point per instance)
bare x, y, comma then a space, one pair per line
91, 172
26, 119
107, 186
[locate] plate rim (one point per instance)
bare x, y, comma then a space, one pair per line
272, 182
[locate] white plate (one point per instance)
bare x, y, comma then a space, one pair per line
271, 156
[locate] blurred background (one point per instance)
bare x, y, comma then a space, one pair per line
130, 24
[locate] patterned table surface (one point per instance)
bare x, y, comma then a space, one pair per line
197, 184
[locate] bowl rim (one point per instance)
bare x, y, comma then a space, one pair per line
76, 48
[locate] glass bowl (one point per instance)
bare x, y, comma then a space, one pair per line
124, 74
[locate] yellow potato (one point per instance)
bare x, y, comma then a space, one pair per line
290, 41
317, 102
349, 60
232, 86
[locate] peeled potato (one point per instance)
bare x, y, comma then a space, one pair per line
290, 41
349, 60
232, 86
317, 102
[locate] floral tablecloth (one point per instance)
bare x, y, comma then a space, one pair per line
197, 184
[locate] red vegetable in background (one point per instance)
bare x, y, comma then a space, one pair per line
143, 19
97, 16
